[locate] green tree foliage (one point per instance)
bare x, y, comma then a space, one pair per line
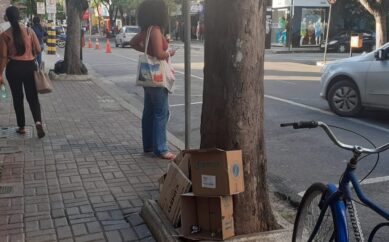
353, 13
27, 7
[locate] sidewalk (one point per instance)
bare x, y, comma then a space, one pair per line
85, 179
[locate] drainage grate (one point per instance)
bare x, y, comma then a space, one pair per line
5, 189
10, 133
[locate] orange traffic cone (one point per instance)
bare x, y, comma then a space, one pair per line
97, 44
108, 48
90, 45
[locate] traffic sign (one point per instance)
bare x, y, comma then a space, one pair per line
331, 1
51, 6
40, 8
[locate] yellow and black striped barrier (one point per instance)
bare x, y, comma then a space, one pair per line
51, 40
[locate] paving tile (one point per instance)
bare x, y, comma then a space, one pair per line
79, 229
91, 237
142, 231
60, 222
64, 232
134, 219
113, 236
93, 227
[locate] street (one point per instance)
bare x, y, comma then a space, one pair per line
296, 158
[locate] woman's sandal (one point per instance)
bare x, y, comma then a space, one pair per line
168, 156
21, 131
40, 131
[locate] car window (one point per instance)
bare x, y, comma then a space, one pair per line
134, 30
343, 35
121, 30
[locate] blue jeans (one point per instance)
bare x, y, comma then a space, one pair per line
154, 120
39, 57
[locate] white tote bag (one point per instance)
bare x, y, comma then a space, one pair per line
151, 72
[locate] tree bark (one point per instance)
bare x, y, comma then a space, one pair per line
73, 63
232, 114
381, 31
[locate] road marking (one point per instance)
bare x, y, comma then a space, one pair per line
183, 73
180, 105
109, 64
365, 182
328, 113
299, 105
292, 103
375, 180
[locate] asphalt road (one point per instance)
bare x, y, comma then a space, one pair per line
295, 158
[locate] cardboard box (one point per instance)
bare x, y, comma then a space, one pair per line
216, 172
182, 161
212, 215
175, 184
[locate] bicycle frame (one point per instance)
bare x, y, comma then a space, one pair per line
336, 200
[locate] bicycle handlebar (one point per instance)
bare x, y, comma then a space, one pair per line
331, 135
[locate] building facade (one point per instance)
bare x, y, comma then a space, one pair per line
298, 23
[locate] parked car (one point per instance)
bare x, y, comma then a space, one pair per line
353, 83
125, 35
341, 42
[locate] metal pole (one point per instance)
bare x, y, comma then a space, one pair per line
187, 41
328, 31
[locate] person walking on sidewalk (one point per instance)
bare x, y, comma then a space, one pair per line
41, 34
17, 45
154, 14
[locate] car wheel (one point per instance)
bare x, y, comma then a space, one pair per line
342, 48
116, 43
344, 98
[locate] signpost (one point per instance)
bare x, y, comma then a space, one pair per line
187, 40
40, 8
331, 2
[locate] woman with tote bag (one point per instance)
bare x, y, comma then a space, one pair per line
152, 19
17, 45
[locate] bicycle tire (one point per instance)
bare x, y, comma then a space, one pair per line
304, 224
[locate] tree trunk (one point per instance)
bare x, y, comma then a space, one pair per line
379, 9
73, 62
232, 114
381, 31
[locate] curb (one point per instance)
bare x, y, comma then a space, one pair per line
162, 230
157, 222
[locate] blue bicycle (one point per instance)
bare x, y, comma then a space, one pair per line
322, 214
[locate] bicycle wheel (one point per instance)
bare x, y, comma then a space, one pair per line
309, 212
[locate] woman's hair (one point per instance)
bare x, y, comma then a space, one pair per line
12, 14
152, 13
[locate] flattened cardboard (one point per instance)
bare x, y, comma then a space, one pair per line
214, 216
175, 184
215, 172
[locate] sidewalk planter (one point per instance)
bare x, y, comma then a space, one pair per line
163, 231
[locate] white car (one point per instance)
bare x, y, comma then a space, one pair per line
125, 35
353, 83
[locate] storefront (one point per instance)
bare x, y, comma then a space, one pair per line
305, 20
